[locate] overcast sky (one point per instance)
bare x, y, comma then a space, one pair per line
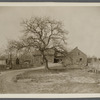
83, 24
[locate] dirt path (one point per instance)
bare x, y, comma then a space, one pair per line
7, 85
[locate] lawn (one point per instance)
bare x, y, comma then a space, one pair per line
59, 81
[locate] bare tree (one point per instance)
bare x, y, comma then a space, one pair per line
14, 46
9, 51
42, 34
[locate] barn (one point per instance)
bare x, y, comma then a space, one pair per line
76, 57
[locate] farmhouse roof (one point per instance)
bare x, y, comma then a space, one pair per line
47, 52
76, 48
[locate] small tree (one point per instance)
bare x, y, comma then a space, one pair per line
42, 34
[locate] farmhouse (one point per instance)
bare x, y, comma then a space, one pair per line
76, 57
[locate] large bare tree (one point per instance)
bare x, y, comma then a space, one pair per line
42, 34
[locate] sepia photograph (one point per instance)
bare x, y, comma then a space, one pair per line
49, 49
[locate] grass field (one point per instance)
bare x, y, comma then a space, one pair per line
60, 81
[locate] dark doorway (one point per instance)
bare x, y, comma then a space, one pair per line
17, 61
56, 60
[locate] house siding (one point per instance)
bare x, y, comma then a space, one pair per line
37, 60
50, 58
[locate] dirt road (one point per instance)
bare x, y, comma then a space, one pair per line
7, 85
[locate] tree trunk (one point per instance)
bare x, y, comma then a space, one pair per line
46, 61
46, 64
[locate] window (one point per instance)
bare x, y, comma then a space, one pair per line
78, 53
80, 59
